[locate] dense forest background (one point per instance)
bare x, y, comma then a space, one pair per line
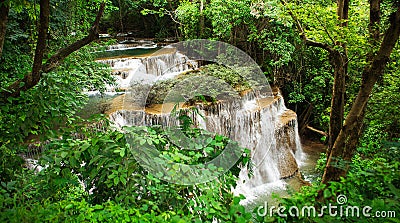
336, 63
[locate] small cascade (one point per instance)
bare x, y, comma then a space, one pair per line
132, 70
168, 63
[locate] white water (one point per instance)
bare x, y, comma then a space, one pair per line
147, 70
254, 127
274, 142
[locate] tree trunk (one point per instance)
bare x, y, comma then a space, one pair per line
303, 119
343, 12
347, 140
120, 16
339, 63
373, 26
338, 60
34, 77
4, 9
374, 20
202, 18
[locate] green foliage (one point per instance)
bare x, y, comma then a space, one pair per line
220, 18
14, 52
279, 40
92, 175
54, 100
10, 163
226, 15
68, 203
188, 13
321, 163
236, 78
72, 18
234, 21
79, 210
141, 18
311, 85
82, 211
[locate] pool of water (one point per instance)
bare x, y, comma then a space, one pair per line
313, 149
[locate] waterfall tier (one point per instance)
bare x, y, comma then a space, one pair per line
167, 63
265, 126
134, 45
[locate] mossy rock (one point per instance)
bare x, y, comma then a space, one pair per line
210, 83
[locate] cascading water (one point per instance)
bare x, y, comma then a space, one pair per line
264, 125
148, 69
134, 45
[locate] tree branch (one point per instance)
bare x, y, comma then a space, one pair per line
318, 44
31, 79
171, 14
61, 54
373, 26
303, 35
326, 29
317, 131
343, 12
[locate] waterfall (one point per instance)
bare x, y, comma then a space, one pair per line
262, 124
265, 126
281, 157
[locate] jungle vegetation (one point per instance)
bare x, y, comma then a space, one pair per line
336, 62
